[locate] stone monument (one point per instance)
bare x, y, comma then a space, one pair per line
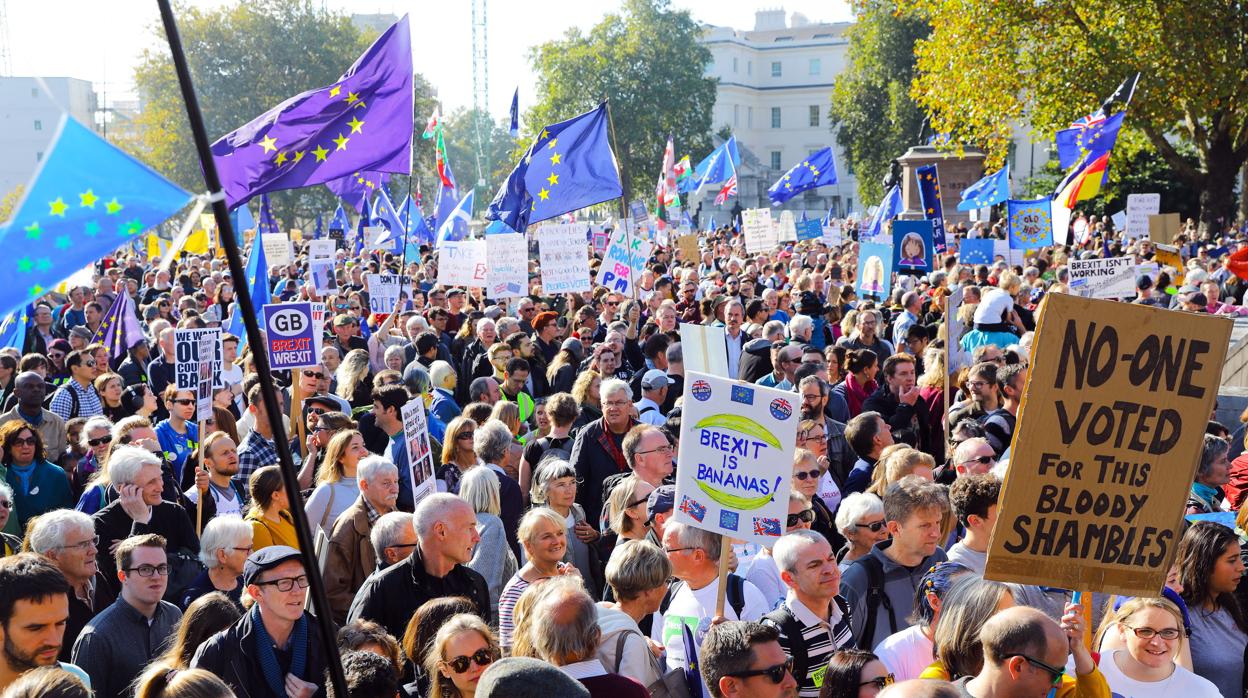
956, 173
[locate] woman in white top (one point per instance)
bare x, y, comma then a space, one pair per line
336, 485
763, 572
1153, 631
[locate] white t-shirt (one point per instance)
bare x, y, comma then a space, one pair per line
695, 609
829, 492
227, 502
972, 559
1181, 683
906, 653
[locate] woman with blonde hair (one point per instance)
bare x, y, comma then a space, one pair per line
336, 485
109, 386
1142, 644
544, 535
509, 414
585, 392
492, 558
162, 681
626, 508
459, 654
458, 455
355, 379
896, 463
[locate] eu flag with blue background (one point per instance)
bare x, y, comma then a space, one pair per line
569, 166
385, 216
242, 219
1030, 223
86, 199
358, 187
268, 224
320, 228
446, 198
340, 220
815, 171
888, 209
257, 281
975, 251
361, 122
722, 163
989, 191
455, 226
1098, 136
13, 328
929, 199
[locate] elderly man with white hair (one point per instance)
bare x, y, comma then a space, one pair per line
349, 558
446, 535
67, 538
443, 379
598, 449
223, 549
393, 539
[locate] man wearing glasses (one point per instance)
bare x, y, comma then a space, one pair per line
119, 643
1024, 656
745, 659
84, 401
275, 648
67, 538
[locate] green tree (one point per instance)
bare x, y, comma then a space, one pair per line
648, 62
1051, 62
873, 115
8, 203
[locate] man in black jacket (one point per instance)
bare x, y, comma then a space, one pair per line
67, 538
897, 401
597, 452
447, 533
275, 649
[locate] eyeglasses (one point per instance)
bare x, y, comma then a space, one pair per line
880, 681
107, 438
665, 450
803, 516
25, 441
1055, 672
632, 504
313, 374
669, 551
482, 657
90, 363
982, 460
612, 305
814, 435
286, 583
55, 355
317, 410
616, 403
466, 435
807, 474
184, 401
5, 504
355, 307
321, 427
246, 550
874, 526
775, 673
150, 570
1146, 633
974, 385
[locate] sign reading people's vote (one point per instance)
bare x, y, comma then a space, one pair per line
564, 253
291, 336
1109, 436
760, 235
625, 258
736, 447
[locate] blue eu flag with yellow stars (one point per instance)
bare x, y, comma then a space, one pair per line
1031, 223
257, 271
86, 200
989, 191
815, 171
358, 187
569, 166
362, 122
929, 191
13, 328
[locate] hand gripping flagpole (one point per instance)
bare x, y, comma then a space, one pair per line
267, 389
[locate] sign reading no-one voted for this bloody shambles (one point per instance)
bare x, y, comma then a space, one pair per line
736, 457
1109, 435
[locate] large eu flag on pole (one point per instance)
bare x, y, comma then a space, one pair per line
119, 330
815, 171
989, 191
358, 187
361, 122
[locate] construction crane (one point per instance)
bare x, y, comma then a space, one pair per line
480, 80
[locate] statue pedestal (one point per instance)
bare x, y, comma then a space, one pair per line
956, 174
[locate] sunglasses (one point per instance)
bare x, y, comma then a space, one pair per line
1055, 672
775, 673
807, 474
880, 681
982, 460
804, 516
874, 526
316, 410
184, 401
25, 441
482, 657
467, 435
313, 374
107, 438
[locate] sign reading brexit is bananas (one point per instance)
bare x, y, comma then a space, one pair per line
736, 458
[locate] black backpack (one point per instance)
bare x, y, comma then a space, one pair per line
783, 620
734, 595
73, 396
875, 597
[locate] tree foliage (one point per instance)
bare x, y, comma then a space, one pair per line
873, 115
464, 129
8, 203
988, 63
648, 62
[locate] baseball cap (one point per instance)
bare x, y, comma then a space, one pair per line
267, 559
660, 501
654, 379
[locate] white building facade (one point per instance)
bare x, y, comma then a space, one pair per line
28, 120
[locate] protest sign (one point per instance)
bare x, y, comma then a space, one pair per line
1169, 256
1139, 208
386, 290
209, 374
564, 258
196, 353
419, 454
912, 246
323, 278
688, 246
621, 265
291, 336
1109, 435
507, 273
321, 250
638, 213
939, 243
1110, 277
809, 229
277, 249
1163, 228
831, 234
599, 238
875, 269
373, 233
1120, 221
462, 263
975, 251
760, 235
958, 357
705, 348
1012, 256
1030, 223
734, 439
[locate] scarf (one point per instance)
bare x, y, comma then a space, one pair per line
268, 658
1207, 495
608, 445
856, 394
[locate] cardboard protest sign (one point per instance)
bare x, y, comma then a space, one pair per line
197, 358
1108, 278
507, 273
1140, 207
1169, 255
419, 453
277, 249
688, 246
1120, 221
875, 269
564, 258
386, 290
625, 258
733, 472
462, 263
912, 246
291, 336
705, 348
760, 236
1109, 436
1163, 228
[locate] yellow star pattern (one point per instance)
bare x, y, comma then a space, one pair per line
57, 207
545, 134
544, 193
341, 140
320, 153
553, 179
298, 156
554, 159
355, 124
112, 206
335, 91
281, 158
352, 98
269, 144
551, 145
87, 199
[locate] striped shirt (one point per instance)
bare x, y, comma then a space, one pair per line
88, 401
507, 606
820, 639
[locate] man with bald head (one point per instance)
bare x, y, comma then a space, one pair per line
1024, 656
974, 456
920, 688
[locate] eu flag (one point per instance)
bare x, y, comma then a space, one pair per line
815, 171
514, 129
1030, 223
257, 281
86, 200
361, 122
929, 191
385, 216
242, 219
268, 224
13, 328
446, 198
889, 208
717, 167
991, 190
340, 222
358, 187
320, 228
119, 330
569, 166
1090, 136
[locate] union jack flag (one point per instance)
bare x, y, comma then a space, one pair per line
729, 189
766, 526
693, 508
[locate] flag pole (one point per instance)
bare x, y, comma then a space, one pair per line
268, 390
624, 196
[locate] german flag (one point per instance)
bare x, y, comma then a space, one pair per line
1083, 182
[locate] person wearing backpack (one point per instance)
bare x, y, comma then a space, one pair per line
814, 618
880, 585
562, 411
77, 398
691, 599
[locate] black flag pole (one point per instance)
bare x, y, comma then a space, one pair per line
268, 390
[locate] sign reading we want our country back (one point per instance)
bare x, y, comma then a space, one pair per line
1108, 439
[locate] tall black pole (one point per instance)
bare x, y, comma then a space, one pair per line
615, 142
268, 390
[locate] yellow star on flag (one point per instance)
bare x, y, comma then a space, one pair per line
544, 194
87, 199
335, 91
553, 179
352, 98
320, 153
355, 124
281, 157
298, 156
57, 207
341, 140
269, 144
545, 134
554, 159
552, 143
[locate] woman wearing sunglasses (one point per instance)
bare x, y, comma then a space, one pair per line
38, 486
460, 653
860, 518
1154, 637
457, 454
854, 673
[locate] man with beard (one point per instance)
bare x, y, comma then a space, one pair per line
67, 538
34, 607
221, 457
981, 383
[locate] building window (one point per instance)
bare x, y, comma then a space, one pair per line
734, 64
815, 66
736, 115
849, 166
775, 160
775, 69
749, 117
849, 204
749, 67
814, 115
38, 125
775, 117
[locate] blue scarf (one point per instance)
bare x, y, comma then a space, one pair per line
268, 658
